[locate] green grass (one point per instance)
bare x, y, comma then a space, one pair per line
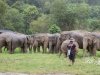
39, 63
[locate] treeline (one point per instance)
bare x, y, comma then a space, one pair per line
33, 16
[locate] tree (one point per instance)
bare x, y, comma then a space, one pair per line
95, 12
77, 1
94, 25
10, 2
54, 29
3, 7
82, 11
58, 11
13, 20
40, 25
94, 2
67, 16
30, 13
19, 5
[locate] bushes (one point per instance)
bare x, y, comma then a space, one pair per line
54, 29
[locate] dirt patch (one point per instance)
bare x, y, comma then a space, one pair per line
9, 73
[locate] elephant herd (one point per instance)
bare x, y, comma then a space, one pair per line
89, 42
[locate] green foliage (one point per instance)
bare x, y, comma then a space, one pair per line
95, 12
54, 29
66, 17
20, 5
40, 25
23, 15
30, 13
3, 7
94, 25
77, 1
58, 11
13, 20
94, 2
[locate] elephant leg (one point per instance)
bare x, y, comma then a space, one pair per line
53, 49
85, 44
30, 49
90, 51
50, 47
10, 47
42, 49
58, 49
58, 45
84, 52
34, 48
11, 51
60, 52
24, 49
25, 46
45, 47
38, 48
65, 54
94, 51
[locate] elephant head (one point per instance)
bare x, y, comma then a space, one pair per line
30, 42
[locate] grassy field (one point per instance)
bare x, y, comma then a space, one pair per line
38, 63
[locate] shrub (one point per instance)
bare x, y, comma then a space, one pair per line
54, 29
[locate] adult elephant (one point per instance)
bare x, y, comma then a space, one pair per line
18, 40
3, 41
76, 34
90, 44
64, 45
97, 35
41, 39
13, 40
53, 39
30, 42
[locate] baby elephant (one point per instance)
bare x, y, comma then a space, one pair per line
69, 48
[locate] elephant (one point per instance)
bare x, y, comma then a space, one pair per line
40, 39
89, 44
53, 39
13, 40
97, 35
18, 40
30, 42
64, 48
3, 41
76, 34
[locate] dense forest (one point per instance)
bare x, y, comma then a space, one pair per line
34, 16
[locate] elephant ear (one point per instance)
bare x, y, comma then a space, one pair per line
28, 37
